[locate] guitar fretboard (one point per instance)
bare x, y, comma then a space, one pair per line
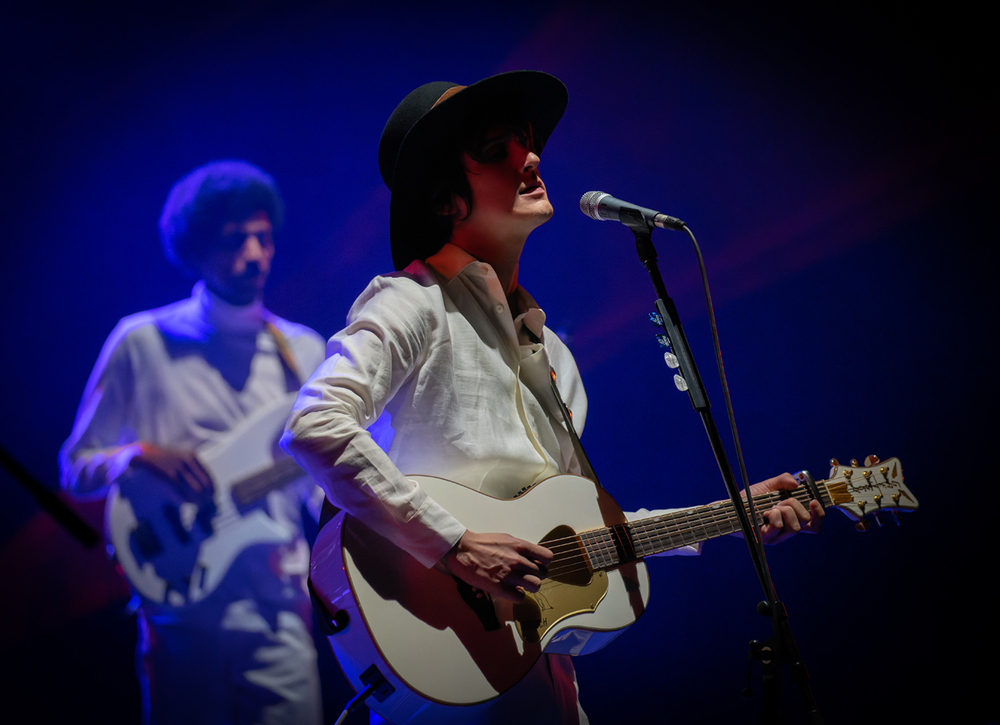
609, 547
250, 489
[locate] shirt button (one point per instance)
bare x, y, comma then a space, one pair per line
499, 309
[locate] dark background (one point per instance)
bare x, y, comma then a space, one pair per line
836, 164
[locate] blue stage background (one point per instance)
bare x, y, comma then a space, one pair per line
834, 164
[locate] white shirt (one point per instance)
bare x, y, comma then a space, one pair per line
184, 376
433, 355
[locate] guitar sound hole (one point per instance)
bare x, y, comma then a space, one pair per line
566, 590
570, 564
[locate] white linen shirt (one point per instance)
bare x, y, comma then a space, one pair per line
431, 376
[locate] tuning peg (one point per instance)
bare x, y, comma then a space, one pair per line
895, 517
863, 525
671, 360
872, 460
878, 520
854, 462
656, 319
834, 463
663, 340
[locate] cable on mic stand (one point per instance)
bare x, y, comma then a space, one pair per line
780, 648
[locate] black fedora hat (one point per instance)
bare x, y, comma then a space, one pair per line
430, 118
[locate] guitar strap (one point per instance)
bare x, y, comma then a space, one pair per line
585, 467
284, 351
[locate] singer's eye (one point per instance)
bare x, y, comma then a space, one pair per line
492, 148
495, 151
492, 144
524, 136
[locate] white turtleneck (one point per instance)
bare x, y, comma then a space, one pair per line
183, 376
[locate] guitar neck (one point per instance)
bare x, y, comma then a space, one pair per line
252, 488
616, 545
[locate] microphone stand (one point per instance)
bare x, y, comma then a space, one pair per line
780, 648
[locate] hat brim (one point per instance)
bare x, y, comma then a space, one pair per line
536, 96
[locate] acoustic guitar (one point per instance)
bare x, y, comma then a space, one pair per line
438, 650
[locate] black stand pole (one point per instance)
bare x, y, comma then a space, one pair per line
50, 502
780, 648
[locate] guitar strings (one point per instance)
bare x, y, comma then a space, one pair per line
681, 522
676, 527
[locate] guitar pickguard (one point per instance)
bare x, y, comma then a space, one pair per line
572, 588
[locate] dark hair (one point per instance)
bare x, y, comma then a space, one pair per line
207, 199
449, 179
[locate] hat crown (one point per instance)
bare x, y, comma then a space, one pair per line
427, 123
410, 110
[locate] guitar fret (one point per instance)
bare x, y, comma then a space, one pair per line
692, 526
659, 533
600, 547
685, 527
254, 487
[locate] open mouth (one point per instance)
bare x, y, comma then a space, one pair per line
530, 188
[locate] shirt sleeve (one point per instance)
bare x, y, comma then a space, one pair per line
309, 350
388, 332
99, 448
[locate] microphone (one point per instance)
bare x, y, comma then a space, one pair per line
600, 206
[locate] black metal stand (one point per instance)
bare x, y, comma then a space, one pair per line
50, 502
780, 648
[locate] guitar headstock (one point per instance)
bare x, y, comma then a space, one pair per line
864, 492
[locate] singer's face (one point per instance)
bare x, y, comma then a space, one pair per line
237, 267
508, 196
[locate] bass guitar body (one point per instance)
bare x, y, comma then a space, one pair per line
176, 552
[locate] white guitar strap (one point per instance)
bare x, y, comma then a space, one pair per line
585, 467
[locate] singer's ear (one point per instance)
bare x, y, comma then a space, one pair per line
454, 206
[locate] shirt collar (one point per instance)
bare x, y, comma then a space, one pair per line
451, 261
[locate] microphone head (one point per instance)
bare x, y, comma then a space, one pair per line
589, 203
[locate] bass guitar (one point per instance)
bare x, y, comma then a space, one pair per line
174, 551
437, 650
